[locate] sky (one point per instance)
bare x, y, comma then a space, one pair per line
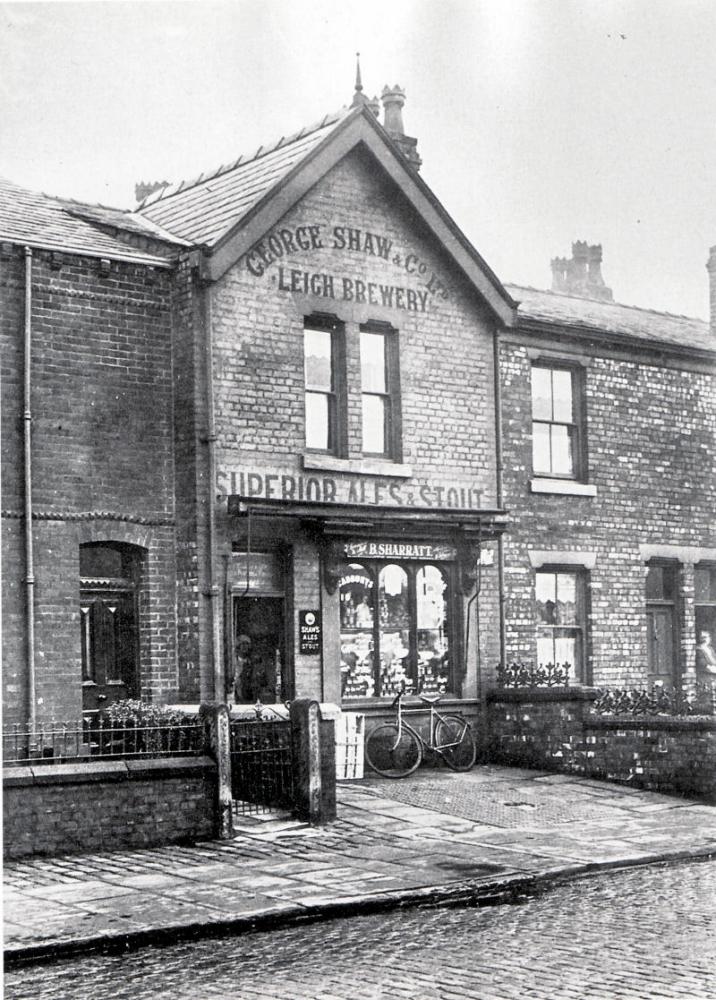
540, 122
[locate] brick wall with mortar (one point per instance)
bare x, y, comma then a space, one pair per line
554, 730
101, 454
651, 431
60, 809
445, 370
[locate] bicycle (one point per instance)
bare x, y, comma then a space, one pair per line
395, 749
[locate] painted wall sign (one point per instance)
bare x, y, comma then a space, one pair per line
349, 490
280, 244
400, 550
309, 632
352, 290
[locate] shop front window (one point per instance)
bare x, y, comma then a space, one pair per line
395, 630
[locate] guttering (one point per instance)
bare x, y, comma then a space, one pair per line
498, 491
159, 262
27, 460
212, 590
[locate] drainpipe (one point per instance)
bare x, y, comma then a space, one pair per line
498, 490
212, 591
29, 553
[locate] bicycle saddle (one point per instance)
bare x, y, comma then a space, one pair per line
430, 699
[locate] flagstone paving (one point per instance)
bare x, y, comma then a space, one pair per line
434, 836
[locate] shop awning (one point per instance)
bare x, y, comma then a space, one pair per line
344, 519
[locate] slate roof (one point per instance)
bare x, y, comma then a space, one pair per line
39, 220
610, 318
204, 209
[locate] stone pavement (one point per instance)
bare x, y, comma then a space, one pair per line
490, 835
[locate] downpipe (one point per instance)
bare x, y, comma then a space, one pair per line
499, 468
27, 462
212, 592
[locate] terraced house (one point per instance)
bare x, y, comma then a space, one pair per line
281, 431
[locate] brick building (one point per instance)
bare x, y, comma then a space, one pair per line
283, 430
609, 439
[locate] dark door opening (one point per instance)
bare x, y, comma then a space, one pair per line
260, 671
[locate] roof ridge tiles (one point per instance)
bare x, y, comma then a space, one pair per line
264, 150
601, 302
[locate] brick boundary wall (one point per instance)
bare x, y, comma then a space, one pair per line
96, 806
553, 729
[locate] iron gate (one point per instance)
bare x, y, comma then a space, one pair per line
261, 765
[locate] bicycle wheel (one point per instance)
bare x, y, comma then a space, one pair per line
455, 742
391, 752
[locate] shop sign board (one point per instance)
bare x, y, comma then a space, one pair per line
424, 551
309, 632
251, 484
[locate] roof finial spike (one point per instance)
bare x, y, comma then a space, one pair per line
359, 98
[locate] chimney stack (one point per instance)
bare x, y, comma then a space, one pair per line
142, 190
393, 100
582, 275
711, 268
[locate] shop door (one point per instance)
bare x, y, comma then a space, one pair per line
260, 672
109, 647
660, 645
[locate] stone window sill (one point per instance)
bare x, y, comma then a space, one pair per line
357, 466
564, 487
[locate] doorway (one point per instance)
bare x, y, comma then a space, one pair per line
259, 634
109, 627
661, 584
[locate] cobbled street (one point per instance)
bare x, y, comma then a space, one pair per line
632, 935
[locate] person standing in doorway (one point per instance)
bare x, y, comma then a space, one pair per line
705, 658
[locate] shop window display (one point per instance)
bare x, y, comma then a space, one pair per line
395, 630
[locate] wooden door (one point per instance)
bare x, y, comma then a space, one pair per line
109, 647
660, 645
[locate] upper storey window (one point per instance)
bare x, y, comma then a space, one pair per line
378, 392
320, 365
556, 438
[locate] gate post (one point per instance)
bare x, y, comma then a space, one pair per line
216, 721
314, 761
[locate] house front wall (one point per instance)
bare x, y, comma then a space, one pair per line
352, 256
648, 435
101, 475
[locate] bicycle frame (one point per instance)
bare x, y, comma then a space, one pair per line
435, 717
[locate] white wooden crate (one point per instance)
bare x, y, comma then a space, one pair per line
350, 739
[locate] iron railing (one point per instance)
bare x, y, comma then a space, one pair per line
699, 699
93, 737
262, 774
522, 674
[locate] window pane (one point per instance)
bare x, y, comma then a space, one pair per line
541, 394
546, 597
372, 361
356, 615
702, 584
541, 461
562, 395
317, 424
394, 617
317, 354
433, 665
561, 450
545, 649
565, 651
566, 613
374, 424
